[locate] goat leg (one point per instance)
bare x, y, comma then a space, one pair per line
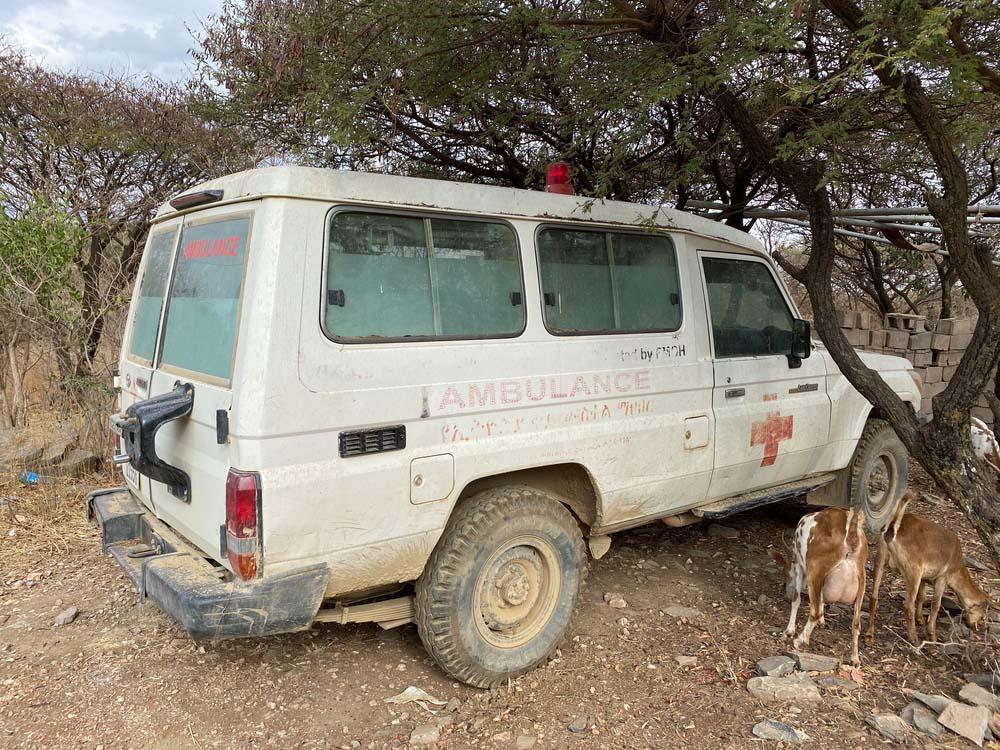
909, 607
921, 603
856, 623
815, 607
939, 586
876, 583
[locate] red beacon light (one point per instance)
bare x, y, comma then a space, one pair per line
557, 179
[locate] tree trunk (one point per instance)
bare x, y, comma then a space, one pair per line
6, 410
946, 275
970, 483
17, 406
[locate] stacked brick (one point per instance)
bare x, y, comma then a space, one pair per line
934, 350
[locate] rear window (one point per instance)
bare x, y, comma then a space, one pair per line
149, 304
403, 276
199, 331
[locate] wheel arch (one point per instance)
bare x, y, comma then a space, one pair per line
570, 482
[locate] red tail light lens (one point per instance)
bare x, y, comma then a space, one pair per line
242, 523
557, 179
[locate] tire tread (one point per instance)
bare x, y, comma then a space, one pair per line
473, 520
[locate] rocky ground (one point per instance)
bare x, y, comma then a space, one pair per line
672, 663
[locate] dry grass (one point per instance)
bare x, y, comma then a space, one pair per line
47, 520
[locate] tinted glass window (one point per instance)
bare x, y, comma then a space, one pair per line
406, 276
597, 282
201, 318
149, 304
749, 313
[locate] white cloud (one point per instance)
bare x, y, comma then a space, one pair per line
97, 36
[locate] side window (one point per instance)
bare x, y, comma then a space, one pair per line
608, 282
749, 313
399, 276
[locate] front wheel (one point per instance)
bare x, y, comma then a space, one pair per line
878, 474
498, 592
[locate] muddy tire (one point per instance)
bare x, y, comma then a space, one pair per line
877, 474
498, 592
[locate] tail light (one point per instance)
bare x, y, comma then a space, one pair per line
557, 179
243, 523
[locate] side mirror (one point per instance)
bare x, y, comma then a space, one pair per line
801, 342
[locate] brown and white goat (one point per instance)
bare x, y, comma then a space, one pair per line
925, 552
829, 556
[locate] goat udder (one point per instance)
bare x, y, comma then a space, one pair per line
841, 584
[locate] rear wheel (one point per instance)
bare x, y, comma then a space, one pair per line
878, 474
498, 592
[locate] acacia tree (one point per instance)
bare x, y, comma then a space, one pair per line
483, 94
37, 294
808, 89
109, 150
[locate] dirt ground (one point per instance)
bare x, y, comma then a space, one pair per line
122, 675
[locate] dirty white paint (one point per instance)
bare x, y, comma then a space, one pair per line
644, 415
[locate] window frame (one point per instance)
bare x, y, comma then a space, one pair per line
424, 215
748, 258
164, 316
607, 232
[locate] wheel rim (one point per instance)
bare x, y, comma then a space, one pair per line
880, 484
516, 591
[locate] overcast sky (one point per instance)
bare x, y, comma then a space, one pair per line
96, 36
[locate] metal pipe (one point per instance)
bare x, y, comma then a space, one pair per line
841, 232
870, 238
993, 210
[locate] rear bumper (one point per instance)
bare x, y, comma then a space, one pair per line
173, 573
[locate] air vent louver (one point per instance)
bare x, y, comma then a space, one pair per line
378, 440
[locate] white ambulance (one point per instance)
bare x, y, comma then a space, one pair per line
354, 397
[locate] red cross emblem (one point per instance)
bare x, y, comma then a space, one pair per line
771, 432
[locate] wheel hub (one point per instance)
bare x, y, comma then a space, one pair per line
879, 481
511, 588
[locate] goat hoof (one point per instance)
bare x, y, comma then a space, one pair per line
855, 661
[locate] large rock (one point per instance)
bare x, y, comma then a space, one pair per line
986, 680
979, 696
24, 453
971, 722
832, 682
890, 726
775, 666
921, 718
937, 703
77, 463
55, 451
814, 662
794, 687
7, 437
775, 730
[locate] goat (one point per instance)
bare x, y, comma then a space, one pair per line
923, 552
829, 556
984, 444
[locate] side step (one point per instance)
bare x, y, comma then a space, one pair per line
739, 503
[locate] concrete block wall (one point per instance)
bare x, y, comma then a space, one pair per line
934, 349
